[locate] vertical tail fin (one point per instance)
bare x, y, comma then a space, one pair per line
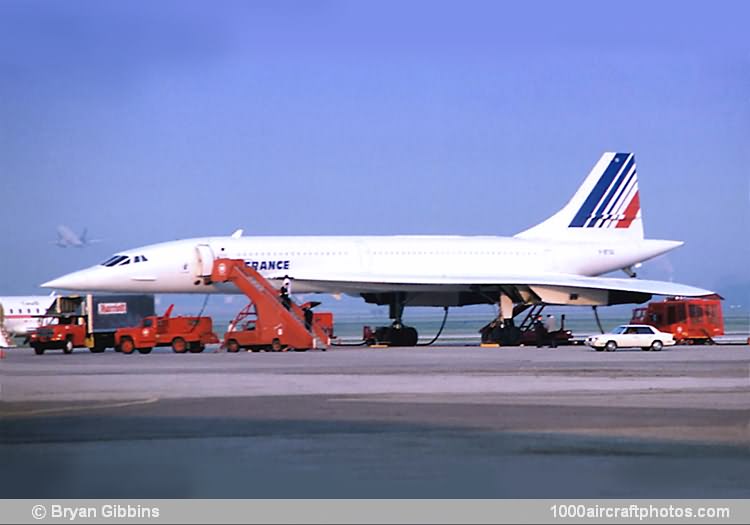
606, 205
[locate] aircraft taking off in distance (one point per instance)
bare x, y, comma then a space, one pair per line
67, 237
558, 261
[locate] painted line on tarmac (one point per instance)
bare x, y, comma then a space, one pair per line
56, 410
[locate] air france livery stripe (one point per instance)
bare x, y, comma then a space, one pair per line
614, 202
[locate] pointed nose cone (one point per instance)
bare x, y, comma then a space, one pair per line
81, 280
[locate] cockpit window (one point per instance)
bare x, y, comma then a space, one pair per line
115, 259
122, 260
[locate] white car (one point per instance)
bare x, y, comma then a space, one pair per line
628, 335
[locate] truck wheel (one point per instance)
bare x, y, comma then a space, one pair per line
127, 346
68, 348
196, 348
38, 350
656, 346
276, 345
611, 346
146, 350
233, 346
178, 345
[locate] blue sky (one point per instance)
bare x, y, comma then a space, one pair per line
149, 121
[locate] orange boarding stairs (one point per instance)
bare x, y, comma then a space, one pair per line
268, 306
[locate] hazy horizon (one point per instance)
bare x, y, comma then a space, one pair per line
149, 122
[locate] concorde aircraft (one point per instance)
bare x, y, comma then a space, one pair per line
558, 261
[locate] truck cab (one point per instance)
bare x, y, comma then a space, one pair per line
65, 332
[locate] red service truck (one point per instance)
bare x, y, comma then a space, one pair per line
182, 333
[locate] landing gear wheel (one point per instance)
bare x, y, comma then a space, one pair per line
146, 350
127, 346
656, 346
68, 348
397, 335
233, 346
178, 345
611, 346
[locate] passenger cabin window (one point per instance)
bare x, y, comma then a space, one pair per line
644, 330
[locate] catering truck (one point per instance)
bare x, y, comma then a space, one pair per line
89, 321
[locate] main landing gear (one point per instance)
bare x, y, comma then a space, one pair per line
397, 334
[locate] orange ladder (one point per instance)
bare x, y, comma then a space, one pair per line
267, 303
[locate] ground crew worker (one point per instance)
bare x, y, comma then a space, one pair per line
308, 318
284, 296
539, 331
551, 326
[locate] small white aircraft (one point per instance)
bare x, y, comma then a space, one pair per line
20, 314
558, 261
67, 237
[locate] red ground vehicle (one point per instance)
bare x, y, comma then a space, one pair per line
689, 320
182, 333
68, 333
89, 321
265, 323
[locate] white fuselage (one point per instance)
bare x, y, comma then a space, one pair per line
21, 313
356, 264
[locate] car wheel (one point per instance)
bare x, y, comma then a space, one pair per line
178, 345
656, 346
126, 346
39, 350
611, 346
68, 348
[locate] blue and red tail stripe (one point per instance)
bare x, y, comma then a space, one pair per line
615, 191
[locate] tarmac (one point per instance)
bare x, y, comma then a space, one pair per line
435, 422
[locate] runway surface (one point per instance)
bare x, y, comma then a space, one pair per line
461, 422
